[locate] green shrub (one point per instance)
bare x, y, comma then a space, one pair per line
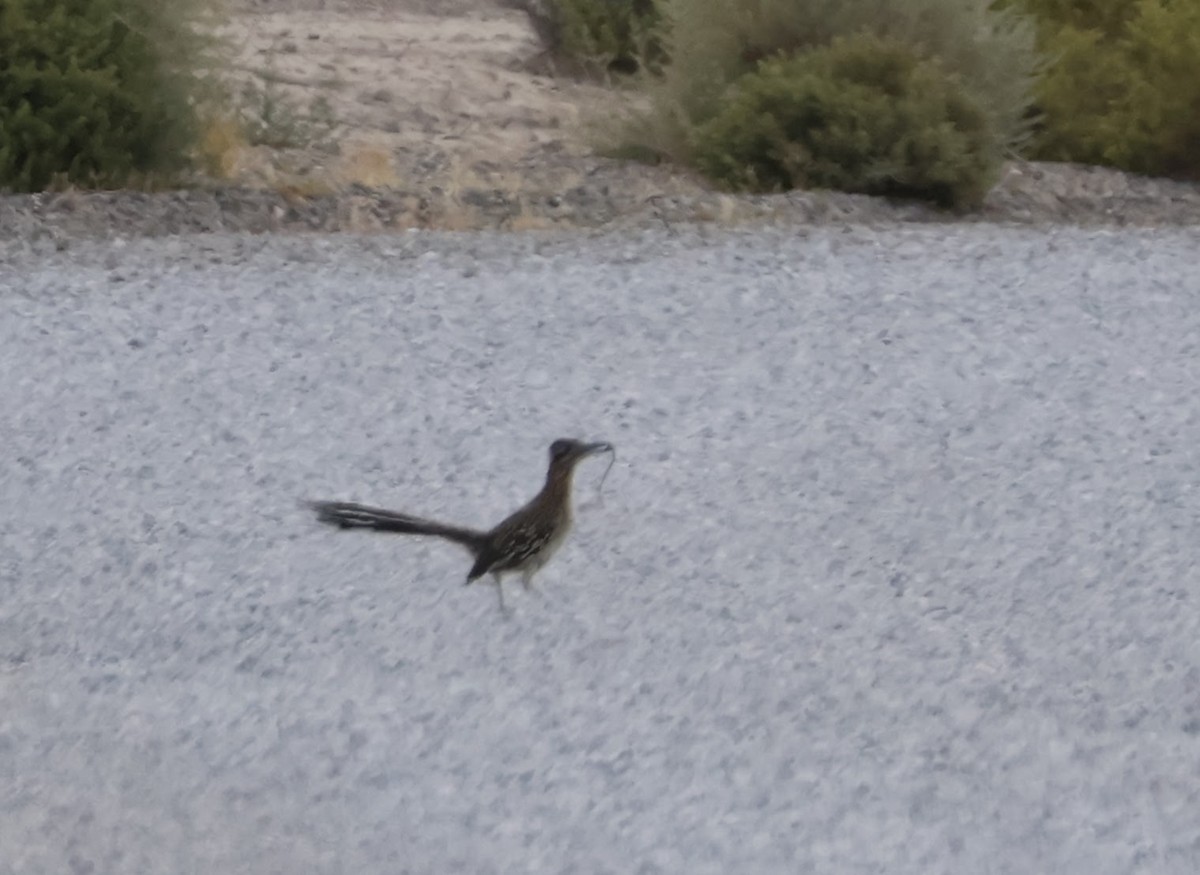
620, 36
1124, 86
1110, 17
712, 43
270, 117
95, 92
864, 114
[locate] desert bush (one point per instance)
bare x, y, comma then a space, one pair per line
270, 117
1123, 88
711, 44
236, 118
96, 92
864, 114
1110, 17
619, 36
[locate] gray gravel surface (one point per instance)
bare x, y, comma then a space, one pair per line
896, 571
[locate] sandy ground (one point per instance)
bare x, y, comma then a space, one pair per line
420, 96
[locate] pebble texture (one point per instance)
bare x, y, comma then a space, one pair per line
896, 571
616, 196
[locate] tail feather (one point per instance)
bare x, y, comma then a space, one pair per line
347, 515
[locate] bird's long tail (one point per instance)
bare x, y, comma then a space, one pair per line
346, 515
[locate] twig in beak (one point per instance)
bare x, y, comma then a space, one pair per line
612, 458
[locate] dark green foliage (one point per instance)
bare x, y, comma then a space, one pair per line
1124, 85
1110, 17
620, 36
964, 71
864, 114
714, 42
92, 92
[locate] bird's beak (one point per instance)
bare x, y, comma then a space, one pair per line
599, 447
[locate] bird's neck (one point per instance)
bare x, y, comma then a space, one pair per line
558, 484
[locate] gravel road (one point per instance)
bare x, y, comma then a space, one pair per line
896, 571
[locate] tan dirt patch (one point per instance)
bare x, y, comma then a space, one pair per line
419, 99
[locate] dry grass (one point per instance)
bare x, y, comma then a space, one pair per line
367, 164
223, 147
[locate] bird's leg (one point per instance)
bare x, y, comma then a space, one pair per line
500, 593
527, 582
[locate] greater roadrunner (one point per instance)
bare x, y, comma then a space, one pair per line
522, 542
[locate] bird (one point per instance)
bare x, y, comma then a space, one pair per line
522, 542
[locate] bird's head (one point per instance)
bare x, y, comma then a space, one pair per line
568, 451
